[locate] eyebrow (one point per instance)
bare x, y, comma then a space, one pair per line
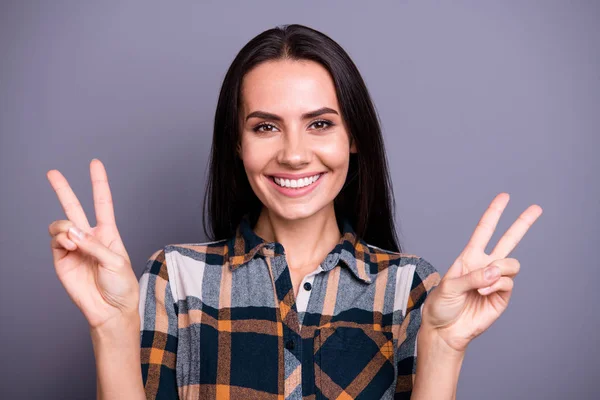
275, 117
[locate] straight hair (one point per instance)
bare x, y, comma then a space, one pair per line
366, 199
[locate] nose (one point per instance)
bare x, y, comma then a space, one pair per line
295, 151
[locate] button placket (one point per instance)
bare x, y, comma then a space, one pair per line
304, 294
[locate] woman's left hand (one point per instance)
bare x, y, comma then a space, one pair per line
466, 302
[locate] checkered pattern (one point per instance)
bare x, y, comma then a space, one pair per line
220, 321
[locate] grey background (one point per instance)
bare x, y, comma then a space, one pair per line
475, 98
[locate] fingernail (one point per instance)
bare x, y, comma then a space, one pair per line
485, 290
76, 233
491, 272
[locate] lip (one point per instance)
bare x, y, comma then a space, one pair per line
290, 192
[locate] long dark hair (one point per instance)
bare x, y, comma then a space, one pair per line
366, 199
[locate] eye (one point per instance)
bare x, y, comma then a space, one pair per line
322, 124
267, 127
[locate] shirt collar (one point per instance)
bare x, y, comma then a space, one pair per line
353, 252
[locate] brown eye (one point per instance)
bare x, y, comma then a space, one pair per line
267, 128
322, 124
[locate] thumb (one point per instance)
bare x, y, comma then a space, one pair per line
479, 278
456, 269
90, 245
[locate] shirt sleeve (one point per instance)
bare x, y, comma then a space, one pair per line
424, 279
158, 330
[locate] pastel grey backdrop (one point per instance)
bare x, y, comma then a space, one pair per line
475, 98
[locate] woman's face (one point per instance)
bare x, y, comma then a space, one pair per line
294, 145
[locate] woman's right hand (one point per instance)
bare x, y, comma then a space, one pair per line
95, 270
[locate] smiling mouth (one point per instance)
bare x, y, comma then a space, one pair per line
296, 183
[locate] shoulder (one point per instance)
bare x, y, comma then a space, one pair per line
184, 265
391, 259
175, 257
212, 253
167, 260
413, 273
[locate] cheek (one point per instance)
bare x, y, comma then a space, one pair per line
254, 156
335, 155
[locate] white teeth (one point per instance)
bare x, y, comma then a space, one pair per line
297, 183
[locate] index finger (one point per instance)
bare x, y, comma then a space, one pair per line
68, 200
103, 203
488, 222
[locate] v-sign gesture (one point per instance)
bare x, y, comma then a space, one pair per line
94, 269
476, 289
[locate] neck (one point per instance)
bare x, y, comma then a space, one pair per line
306, 241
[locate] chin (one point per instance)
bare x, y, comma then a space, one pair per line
292, 213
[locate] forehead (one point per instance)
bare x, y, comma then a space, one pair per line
288, 86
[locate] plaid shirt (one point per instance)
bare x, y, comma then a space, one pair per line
220, 320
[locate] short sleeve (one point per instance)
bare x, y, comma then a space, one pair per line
158, 330
424, 279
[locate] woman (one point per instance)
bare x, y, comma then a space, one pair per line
304, 290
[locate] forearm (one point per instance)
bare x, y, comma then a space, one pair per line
438, 368
118, 368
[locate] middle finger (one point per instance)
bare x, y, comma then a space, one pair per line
517, 230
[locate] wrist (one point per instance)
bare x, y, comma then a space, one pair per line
430, 340
116, 345
438, 367
117, 328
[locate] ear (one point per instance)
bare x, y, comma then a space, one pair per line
238, 150
353, 145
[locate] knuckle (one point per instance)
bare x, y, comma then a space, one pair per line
65, 225
484, 225
72, 206
104, 201
120, 262
443, 286
63, 236
57, 242
58, 226
54, 224
513, 263
480, 277
525, 220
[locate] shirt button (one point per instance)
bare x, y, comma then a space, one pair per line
289, 345
307, 286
